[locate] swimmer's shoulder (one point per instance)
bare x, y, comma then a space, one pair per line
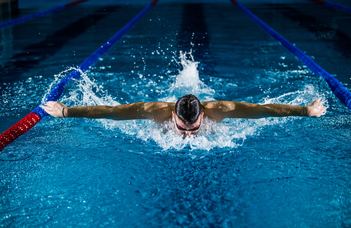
215, 110
223, 105
161, 111
159, 106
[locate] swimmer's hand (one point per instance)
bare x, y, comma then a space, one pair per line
55, 109
316, 108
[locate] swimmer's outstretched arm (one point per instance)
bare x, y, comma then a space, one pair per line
158, 111
219, 110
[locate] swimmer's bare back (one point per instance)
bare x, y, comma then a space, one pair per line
162, 111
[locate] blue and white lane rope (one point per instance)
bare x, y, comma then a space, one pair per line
57, 91
43, 13
34, 117
340, 91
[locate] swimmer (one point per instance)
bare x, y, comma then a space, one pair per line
187, 113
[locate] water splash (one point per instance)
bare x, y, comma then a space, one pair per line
300, 97
230, 133
188, 81
86, 91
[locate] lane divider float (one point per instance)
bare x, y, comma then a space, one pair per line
23, 19
334, 5
340, 91
34, 117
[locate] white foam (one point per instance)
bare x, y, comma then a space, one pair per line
304, 96
187, 81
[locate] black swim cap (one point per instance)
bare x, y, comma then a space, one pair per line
188, 108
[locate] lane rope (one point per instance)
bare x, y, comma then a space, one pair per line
340, 91
20, 20
34, 117
334, 5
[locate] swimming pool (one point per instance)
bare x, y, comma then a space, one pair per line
250, 173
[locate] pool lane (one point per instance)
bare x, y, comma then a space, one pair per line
77, 172
245, 55
32, 55
326, 32
193, 35
26, 18
321, 32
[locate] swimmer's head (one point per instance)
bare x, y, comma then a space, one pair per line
188, 115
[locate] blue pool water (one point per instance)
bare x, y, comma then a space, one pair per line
274, 172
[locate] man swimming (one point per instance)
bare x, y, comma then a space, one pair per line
187, 113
